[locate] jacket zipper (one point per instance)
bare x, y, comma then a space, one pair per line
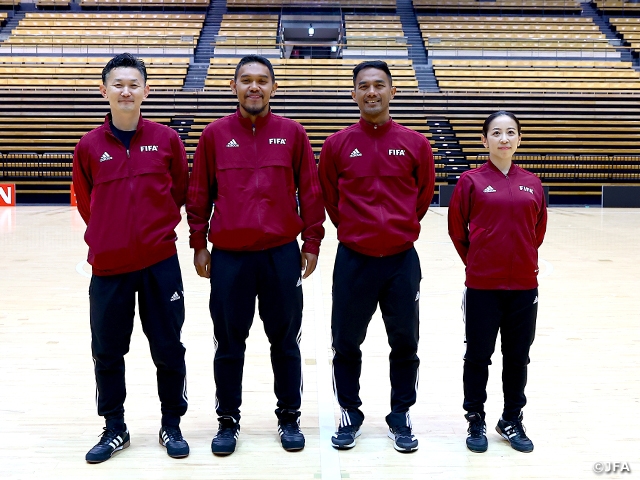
255, 150
512, 220
380, 210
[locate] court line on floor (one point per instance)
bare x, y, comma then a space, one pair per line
329, 458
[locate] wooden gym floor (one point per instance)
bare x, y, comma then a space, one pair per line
583, 391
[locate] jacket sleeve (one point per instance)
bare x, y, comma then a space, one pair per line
458, 218
425, 175
82, 182
329, 182
201, 192
541, 224
179, 171
309, 195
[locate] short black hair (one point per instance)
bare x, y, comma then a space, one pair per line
378, 64
493, 116
124, 60
254, 59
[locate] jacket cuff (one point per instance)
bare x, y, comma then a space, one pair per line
198, 242
311, 246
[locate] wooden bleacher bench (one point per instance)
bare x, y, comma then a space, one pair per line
115, 16
175, 32
144, 3
494, 75
311, 73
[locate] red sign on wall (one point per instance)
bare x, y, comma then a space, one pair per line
7, 195
74, 202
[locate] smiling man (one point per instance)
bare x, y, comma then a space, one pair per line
259, 171
377, 179
130, 177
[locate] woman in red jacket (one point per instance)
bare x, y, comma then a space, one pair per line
497, 221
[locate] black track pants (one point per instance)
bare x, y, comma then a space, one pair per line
161, 309
513, 313
360, 283
237, 278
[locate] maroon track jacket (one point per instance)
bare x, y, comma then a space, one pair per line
251, 173
497, 223
377, 182
130, 199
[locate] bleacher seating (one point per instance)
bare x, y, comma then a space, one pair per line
577, 103
615, 7
245, 34
374, 35
100, 32
63, 72
535, 75
499, 6
44, 4
152, 4
346, 4
629, 28
312, 74
549, 136
514, 35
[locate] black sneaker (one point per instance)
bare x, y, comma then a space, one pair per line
476, 440
513, 431
171, 438
345, 437
112, 441
403, 440
290, 435
224, 443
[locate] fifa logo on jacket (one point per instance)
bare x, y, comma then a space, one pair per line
396, 152
278, 141
526, 189
149, 148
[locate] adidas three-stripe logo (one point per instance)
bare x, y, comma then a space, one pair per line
175, 297
116, 443
105, 156
355, 153
232, 143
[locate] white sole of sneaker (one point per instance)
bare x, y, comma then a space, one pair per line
118, 449
172, 456
507, 439
348, 446
399, 449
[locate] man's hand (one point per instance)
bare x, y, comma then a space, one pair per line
308, 263
202, 261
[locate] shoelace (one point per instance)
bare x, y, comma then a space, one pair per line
477, 428
518, 428
173, 434
290, 428
227, 430
402, 431
108, 435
